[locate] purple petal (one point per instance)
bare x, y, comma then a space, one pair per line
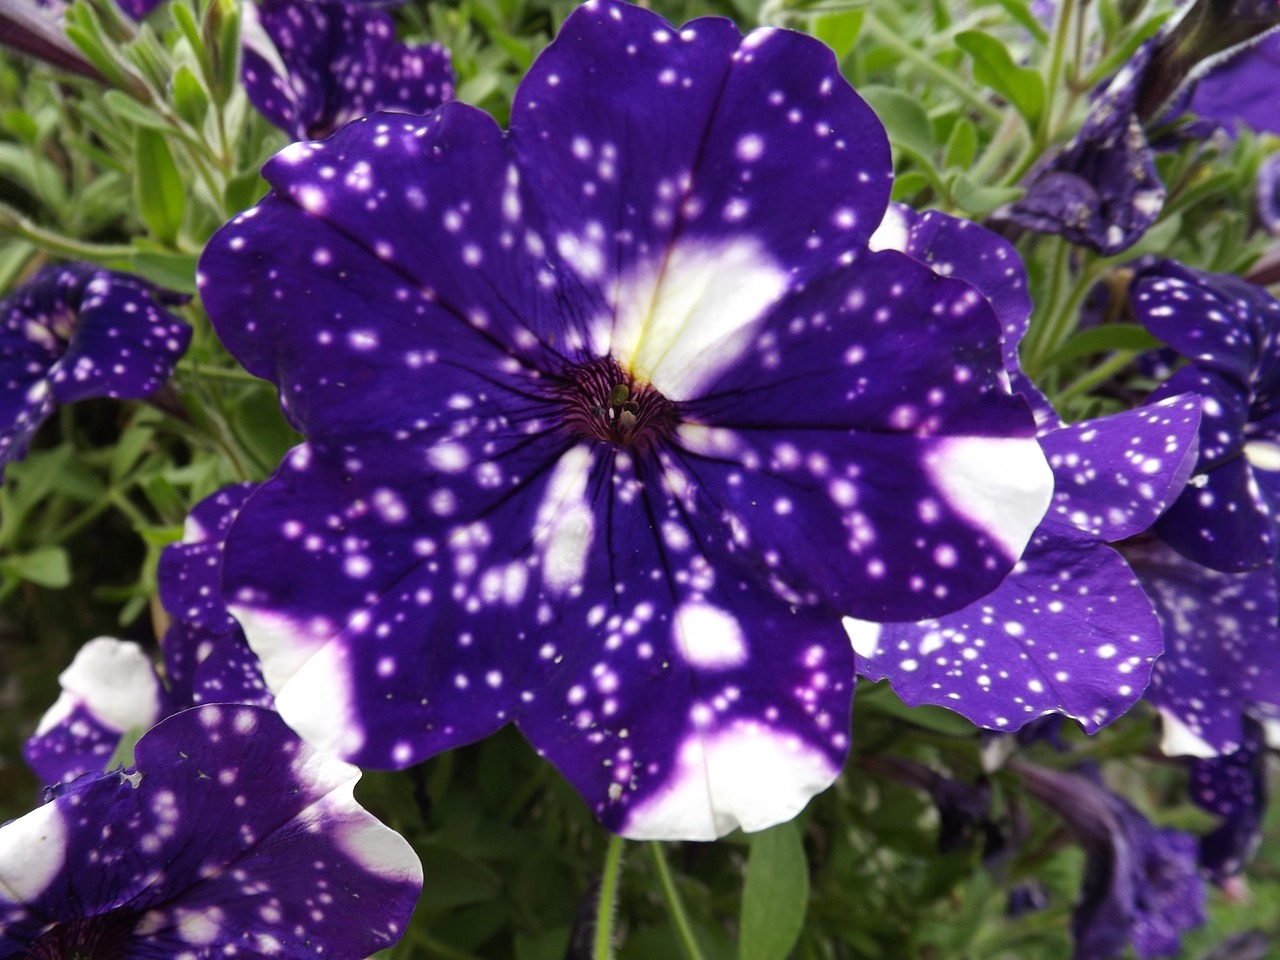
1113, 476
230, 835
1243, 88
1222, 651
1234, 787
75, 332
311, 66
761, 136
1222, 519
1068, 631
109, 689
1269, 193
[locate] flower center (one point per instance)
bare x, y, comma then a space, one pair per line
604, 402
103, 937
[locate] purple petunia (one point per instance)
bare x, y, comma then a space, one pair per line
112, 688
1101, 190
610, 419
311, 66
230, 836
1242, 89
1230, 331
74, 332
1141, 883
1070, 629
1234, 787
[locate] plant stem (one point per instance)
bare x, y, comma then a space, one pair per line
1099, 374
603, 947
674, 903
922, 61
1053, 77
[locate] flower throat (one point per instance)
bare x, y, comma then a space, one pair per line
603, 402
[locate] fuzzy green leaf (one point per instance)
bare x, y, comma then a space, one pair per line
775, 895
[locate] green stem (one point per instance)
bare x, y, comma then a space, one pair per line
1096, 375
923, 62
674, 904
1053, 77
17, 225
603, 948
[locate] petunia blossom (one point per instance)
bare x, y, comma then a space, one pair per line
230, 836
1222, 649
112, 688
1230, 332
1242, 89
1233, 787
1141, 883
310, 66
610, 419
1070, 629
77, 331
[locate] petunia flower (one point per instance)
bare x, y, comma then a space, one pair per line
112, 688
1101, 190
1222, 649
1234, 787
610, 419
1069, 630
76, 331
1141, 883
1230, 331
230, 837
1269, 193
310, 66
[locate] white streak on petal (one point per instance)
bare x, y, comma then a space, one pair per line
683, 320
319, 704
116, 683
281, 643
864, 635
1178, 740
1002, 485
32, 851
893, 232
747, 776
708, 638
565, 523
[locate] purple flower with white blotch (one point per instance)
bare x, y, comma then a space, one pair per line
1234, 787
1141, 883
112, 687
1069, 629
1222, 648
1101, 190
311, 66
1230, 331
607, 430
77, 331
230, 836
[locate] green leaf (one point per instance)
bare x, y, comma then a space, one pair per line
157, 186
977, 200
908, 184
1020, 11
1103, 339
994, 68
962, 145
173, 271
839, 31
46, 566
775, 895
21, 124
189, 97
468, 881
243, 192
903, 117
127, 108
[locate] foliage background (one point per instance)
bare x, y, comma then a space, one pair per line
137, 174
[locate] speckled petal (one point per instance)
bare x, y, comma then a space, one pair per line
109, 689
402, 270
1217, 321
311, 66
1068, 631
761, 137
1113, 476
206, 657
1233, 787
680, 698
1222, 649
231, 833
74, 332
1222, 519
